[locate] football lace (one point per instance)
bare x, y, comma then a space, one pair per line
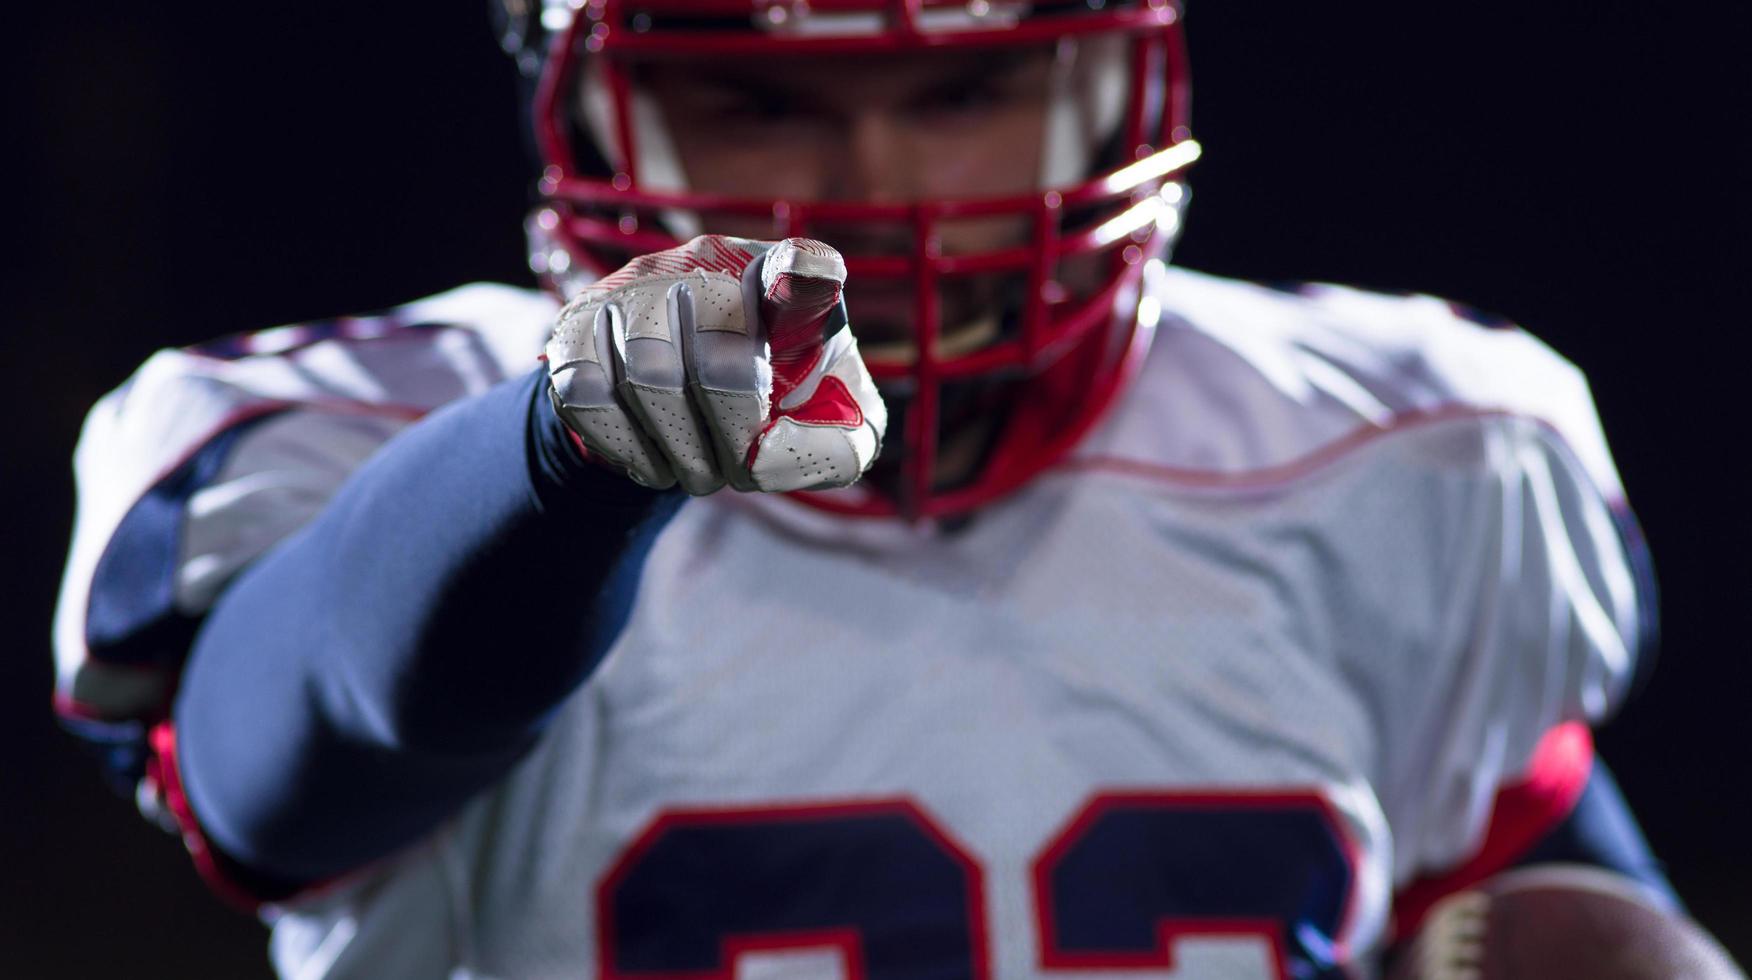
1452, 944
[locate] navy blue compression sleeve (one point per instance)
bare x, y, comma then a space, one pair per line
1601, 831
402, 651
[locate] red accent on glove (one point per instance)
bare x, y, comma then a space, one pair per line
832, 404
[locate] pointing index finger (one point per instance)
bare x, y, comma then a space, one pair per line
800, 281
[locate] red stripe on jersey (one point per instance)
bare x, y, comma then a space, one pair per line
1318, 457
1524, 812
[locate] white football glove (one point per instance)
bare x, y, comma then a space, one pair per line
723, 361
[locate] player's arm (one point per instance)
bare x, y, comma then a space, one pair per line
399, 653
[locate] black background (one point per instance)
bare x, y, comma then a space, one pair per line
186, 170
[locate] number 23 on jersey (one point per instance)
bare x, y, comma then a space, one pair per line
1154, 884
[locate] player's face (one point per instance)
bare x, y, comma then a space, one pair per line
875, 129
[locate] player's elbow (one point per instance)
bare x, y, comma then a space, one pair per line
322, 811
313, 791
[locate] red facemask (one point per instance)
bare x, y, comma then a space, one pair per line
1067, 335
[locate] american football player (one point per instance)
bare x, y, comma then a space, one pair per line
870, 558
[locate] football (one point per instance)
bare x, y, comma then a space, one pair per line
1559, 923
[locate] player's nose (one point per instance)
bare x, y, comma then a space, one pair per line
869, 164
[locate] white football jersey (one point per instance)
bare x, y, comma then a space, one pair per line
1336, 573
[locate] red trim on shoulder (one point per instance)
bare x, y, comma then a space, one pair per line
1524, 812
250, 411
1316, 459
1293, 469
289, 339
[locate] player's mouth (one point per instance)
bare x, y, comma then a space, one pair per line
881, 313
883, 317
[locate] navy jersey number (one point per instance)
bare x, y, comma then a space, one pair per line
878, 881
880, 884
1133, 874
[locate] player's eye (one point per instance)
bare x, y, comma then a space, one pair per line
1006, 82
960, 99
757, 108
